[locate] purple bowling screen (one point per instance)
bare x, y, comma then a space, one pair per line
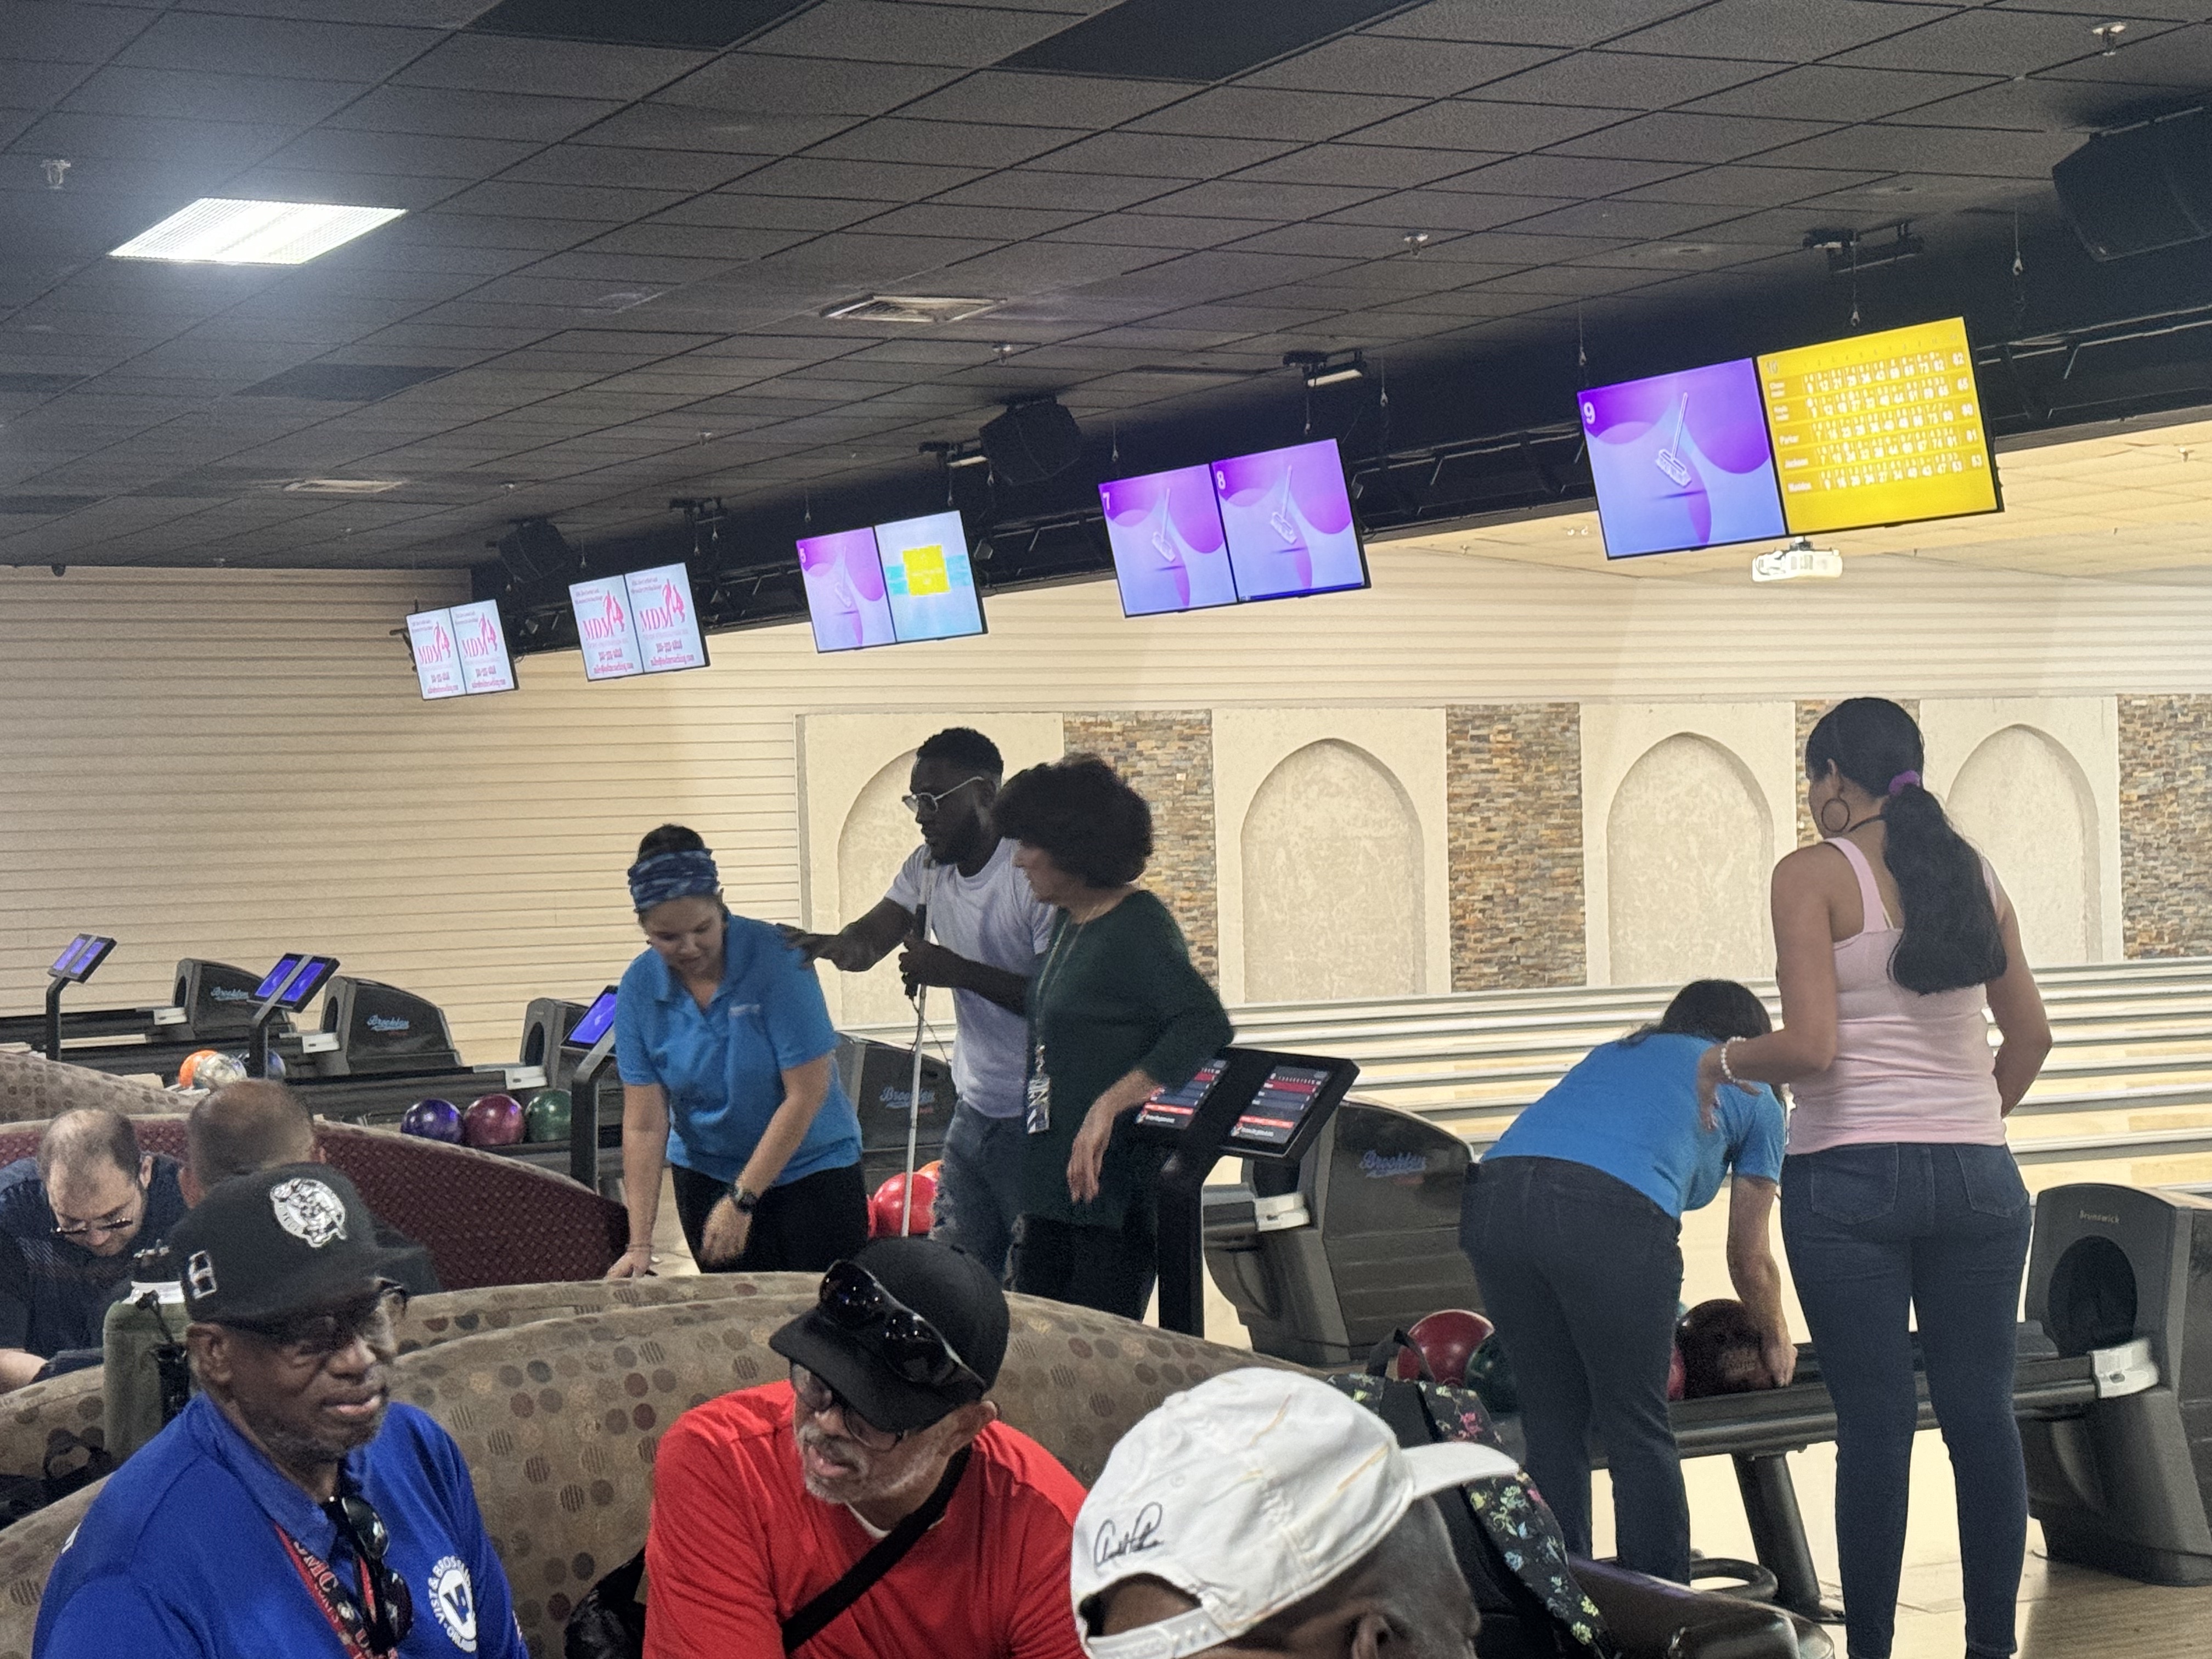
845, 596
1682, 461
1169, 553
1288, 520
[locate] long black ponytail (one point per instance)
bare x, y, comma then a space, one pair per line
1950, 938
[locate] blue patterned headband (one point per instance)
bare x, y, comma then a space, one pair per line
666, 876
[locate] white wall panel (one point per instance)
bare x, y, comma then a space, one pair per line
226, 762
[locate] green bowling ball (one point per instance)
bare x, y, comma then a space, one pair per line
546, 1116
1491, 1378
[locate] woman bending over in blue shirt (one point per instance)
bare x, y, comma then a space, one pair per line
1573, 1223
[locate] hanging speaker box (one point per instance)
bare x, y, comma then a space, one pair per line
1032, 442
2141, 188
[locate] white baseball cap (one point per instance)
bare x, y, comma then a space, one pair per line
1248, 1493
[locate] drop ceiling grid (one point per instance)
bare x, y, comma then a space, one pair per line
562, 186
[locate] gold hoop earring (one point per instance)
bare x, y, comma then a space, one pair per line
1828, 829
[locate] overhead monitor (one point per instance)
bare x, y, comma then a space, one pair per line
1681, 461
437, 657
460, 651
928, 578
1879, 428
662, 610
845, 597
595, 1021
1170, 552
604, 630
1287, 517
81, 956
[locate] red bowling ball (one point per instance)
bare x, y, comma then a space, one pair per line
493, 1120
1447, 1340
888, 1207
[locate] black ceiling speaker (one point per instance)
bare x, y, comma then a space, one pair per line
2141, 188
534, 551
1033, 440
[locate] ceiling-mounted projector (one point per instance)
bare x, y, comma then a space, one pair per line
1797, 561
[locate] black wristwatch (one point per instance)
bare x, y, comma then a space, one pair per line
744, 1197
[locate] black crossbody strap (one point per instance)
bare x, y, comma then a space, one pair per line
811, 1620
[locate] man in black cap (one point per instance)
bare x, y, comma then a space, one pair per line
873, 1507
290, 1506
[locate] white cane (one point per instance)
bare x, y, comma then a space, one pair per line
920, 1026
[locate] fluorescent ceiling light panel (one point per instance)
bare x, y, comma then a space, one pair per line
214, 230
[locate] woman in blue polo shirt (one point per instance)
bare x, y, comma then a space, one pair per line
723, 1046
1573, 1221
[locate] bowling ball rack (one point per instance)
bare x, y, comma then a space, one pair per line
1759, 1430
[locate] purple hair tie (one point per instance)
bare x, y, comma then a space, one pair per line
1903, 782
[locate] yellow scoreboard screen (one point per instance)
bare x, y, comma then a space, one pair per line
1880, 429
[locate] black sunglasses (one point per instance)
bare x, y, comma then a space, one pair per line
385, 1612
855, 1302
319, 1335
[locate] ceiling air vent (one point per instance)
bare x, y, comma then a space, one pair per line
911, 308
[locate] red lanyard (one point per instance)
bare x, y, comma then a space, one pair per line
323, 1583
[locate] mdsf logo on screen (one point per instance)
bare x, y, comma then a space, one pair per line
610, 622
669, 613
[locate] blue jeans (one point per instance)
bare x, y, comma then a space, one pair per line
979, 1191
1580, 1271
1877, 1233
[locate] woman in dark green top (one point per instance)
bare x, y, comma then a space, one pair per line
1116, 1011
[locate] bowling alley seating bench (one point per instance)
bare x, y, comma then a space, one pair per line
559, 1418
33, 1089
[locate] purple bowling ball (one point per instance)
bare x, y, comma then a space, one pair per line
434, 1120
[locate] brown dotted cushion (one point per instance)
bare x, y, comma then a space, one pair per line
32, 1089
57, 1423
485, 1219
28, 1550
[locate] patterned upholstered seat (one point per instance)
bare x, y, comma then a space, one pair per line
560, 1420
33, 1090
485, 1219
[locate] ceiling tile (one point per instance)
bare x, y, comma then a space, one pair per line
945, 219
1254, 111
28, 83
1582, 24
2044, 104
1469, 124
793, 213
1993, 42
2181, 59
1792, 31
1379, 165
504, 198
1045, 101
212, 146
1639, 220
219, 44
1153, 230
1622, 80
1555, 174
510, 117
805, 175
1159, 154
500, 63
1899, 149
683, 126
1748, 186
1426, 69
615, 167
960, 144
1246, 198
1094, 192
1678, 137
883, 32
51, 31
1435, 209
1820, 92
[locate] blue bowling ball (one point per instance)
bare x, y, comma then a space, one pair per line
433, 1119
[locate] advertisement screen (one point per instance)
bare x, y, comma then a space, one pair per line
485, 665
603, 628
1880, 429
437, 656
1288, 520
1169, 550
666, 620
845, 597
1681, 461
928, 579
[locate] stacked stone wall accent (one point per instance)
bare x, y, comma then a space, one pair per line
1514, 791
1808, 716
1167, 757
2166, 826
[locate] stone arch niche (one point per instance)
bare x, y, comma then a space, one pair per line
2022, 800
877, 836
1689, 845
1333, 881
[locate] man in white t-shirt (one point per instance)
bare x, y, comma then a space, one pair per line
989, 932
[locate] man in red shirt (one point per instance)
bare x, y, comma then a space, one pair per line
766, 1501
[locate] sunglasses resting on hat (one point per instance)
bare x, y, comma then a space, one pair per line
855, 1302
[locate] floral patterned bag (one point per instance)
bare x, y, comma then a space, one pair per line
1508, 1546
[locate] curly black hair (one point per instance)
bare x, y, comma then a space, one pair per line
1081, 814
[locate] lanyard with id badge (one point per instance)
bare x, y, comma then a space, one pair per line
1037, 1093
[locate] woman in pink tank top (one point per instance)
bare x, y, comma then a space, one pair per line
1901, 1205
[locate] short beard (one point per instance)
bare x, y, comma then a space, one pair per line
874, 1487
290, 1449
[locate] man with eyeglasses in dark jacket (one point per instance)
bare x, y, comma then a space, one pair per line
291, 1508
